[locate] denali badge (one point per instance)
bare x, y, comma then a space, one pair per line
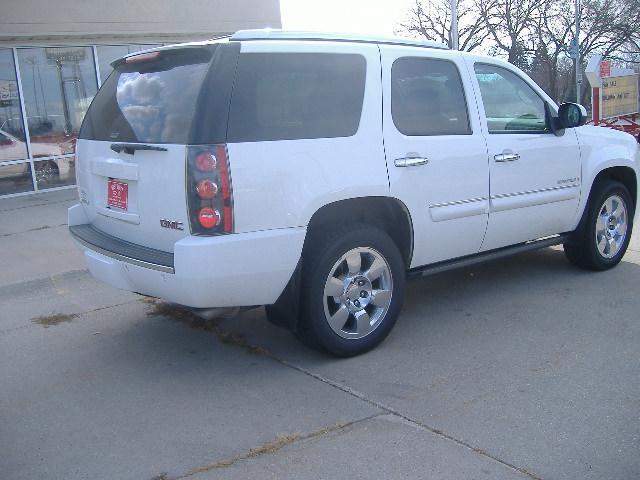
173, 224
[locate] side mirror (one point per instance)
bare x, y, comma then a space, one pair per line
571, 115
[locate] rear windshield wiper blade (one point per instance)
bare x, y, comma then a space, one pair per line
131, 148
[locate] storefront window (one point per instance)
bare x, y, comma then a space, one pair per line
58, 85
109, 53
56, 172
12, 139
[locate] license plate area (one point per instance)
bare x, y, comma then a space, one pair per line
117, 194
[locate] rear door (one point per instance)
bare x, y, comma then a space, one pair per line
132, 146
436, 154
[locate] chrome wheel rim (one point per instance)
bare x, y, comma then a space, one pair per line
611, 226
357, 293
46, 173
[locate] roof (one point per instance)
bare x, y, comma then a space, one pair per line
277, 34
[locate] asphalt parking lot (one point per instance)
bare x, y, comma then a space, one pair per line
524, 368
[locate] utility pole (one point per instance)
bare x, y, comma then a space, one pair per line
454, 25
577, 43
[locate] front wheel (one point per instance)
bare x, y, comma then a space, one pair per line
603, 236
352, 290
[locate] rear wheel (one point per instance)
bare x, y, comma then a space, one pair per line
47, 173
352, 290
603, 236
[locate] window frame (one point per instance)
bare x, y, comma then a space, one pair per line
546, 105
464, 96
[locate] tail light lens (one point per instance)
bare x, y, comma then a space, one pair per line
209, 192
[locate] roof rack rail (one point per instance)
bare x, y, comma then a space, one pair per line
278, 34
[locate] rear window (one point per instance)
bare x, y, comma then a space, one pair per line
288, 96
155, 101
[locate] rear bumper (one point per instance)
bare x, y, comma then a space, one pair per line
236, 270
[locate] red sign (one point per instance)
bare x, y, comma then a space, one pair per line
605, 68
117, 194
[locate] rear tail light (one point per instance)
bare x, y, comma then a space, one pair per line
205, 162
209, 192
206, 189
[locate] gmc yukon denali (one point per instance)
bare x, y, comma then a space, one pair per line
313, 173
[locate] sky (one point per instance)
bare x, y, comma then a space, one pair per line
358, 16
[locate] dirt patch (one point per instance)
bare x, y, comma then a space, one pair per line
55, 319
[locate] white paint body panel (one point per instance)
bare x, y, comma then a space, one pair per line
283, 183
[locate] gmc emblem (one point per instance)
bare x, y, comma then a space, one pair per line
172, 224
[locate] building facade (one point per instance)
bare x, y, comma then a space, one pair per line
55, 55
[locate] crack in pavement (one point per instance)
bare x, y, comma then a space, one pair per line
187, 317
268, 448
36, 229
43, 204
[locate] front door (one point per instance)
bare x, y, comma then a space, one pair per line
436, 153
534, 174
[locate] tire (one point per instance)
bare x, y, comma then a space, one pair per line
47, 173
367, 300
604, 232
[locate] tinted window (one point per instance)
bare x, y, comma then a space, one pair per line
153, 101
427, 98
510, 104
286, 96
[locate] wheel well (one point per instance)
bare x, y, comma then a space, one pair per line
624, 175
389, 214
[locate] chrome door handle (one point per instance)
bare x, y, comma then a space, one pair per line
411, 160
506, 157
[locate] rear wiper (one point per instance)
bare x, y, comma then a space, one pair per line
131, 148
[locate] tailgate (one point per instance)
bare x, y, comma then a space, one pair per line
137, 197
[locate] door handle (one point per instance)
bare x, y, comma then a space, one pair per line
506, 157
411, 160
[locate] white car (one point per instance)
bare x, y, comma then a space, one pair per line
312, 173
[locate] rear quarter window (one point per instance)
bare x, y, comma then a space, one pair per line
288, 96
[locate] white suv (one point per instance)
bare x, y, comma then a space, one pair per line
312, 173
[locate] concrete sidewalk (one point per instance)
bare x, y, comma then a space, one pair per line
520, 369
34, 238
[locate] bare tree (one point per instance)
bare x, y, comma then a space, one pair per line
536, 34
431, 19
511, 25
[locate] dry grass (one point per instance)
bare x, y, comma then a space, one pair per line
55, 319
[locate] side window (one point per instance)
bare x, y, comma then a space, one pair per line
510, 104
427, 97
289, 96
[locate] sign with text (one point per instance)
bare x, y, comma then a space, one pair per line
619, 96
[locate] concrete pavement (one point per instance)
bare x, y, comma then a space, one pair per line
523, 368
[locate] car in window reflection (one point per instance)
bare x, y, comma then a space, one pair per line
48, 172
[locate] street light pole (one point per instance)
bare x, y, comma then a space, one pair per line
578, 73
454, 25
